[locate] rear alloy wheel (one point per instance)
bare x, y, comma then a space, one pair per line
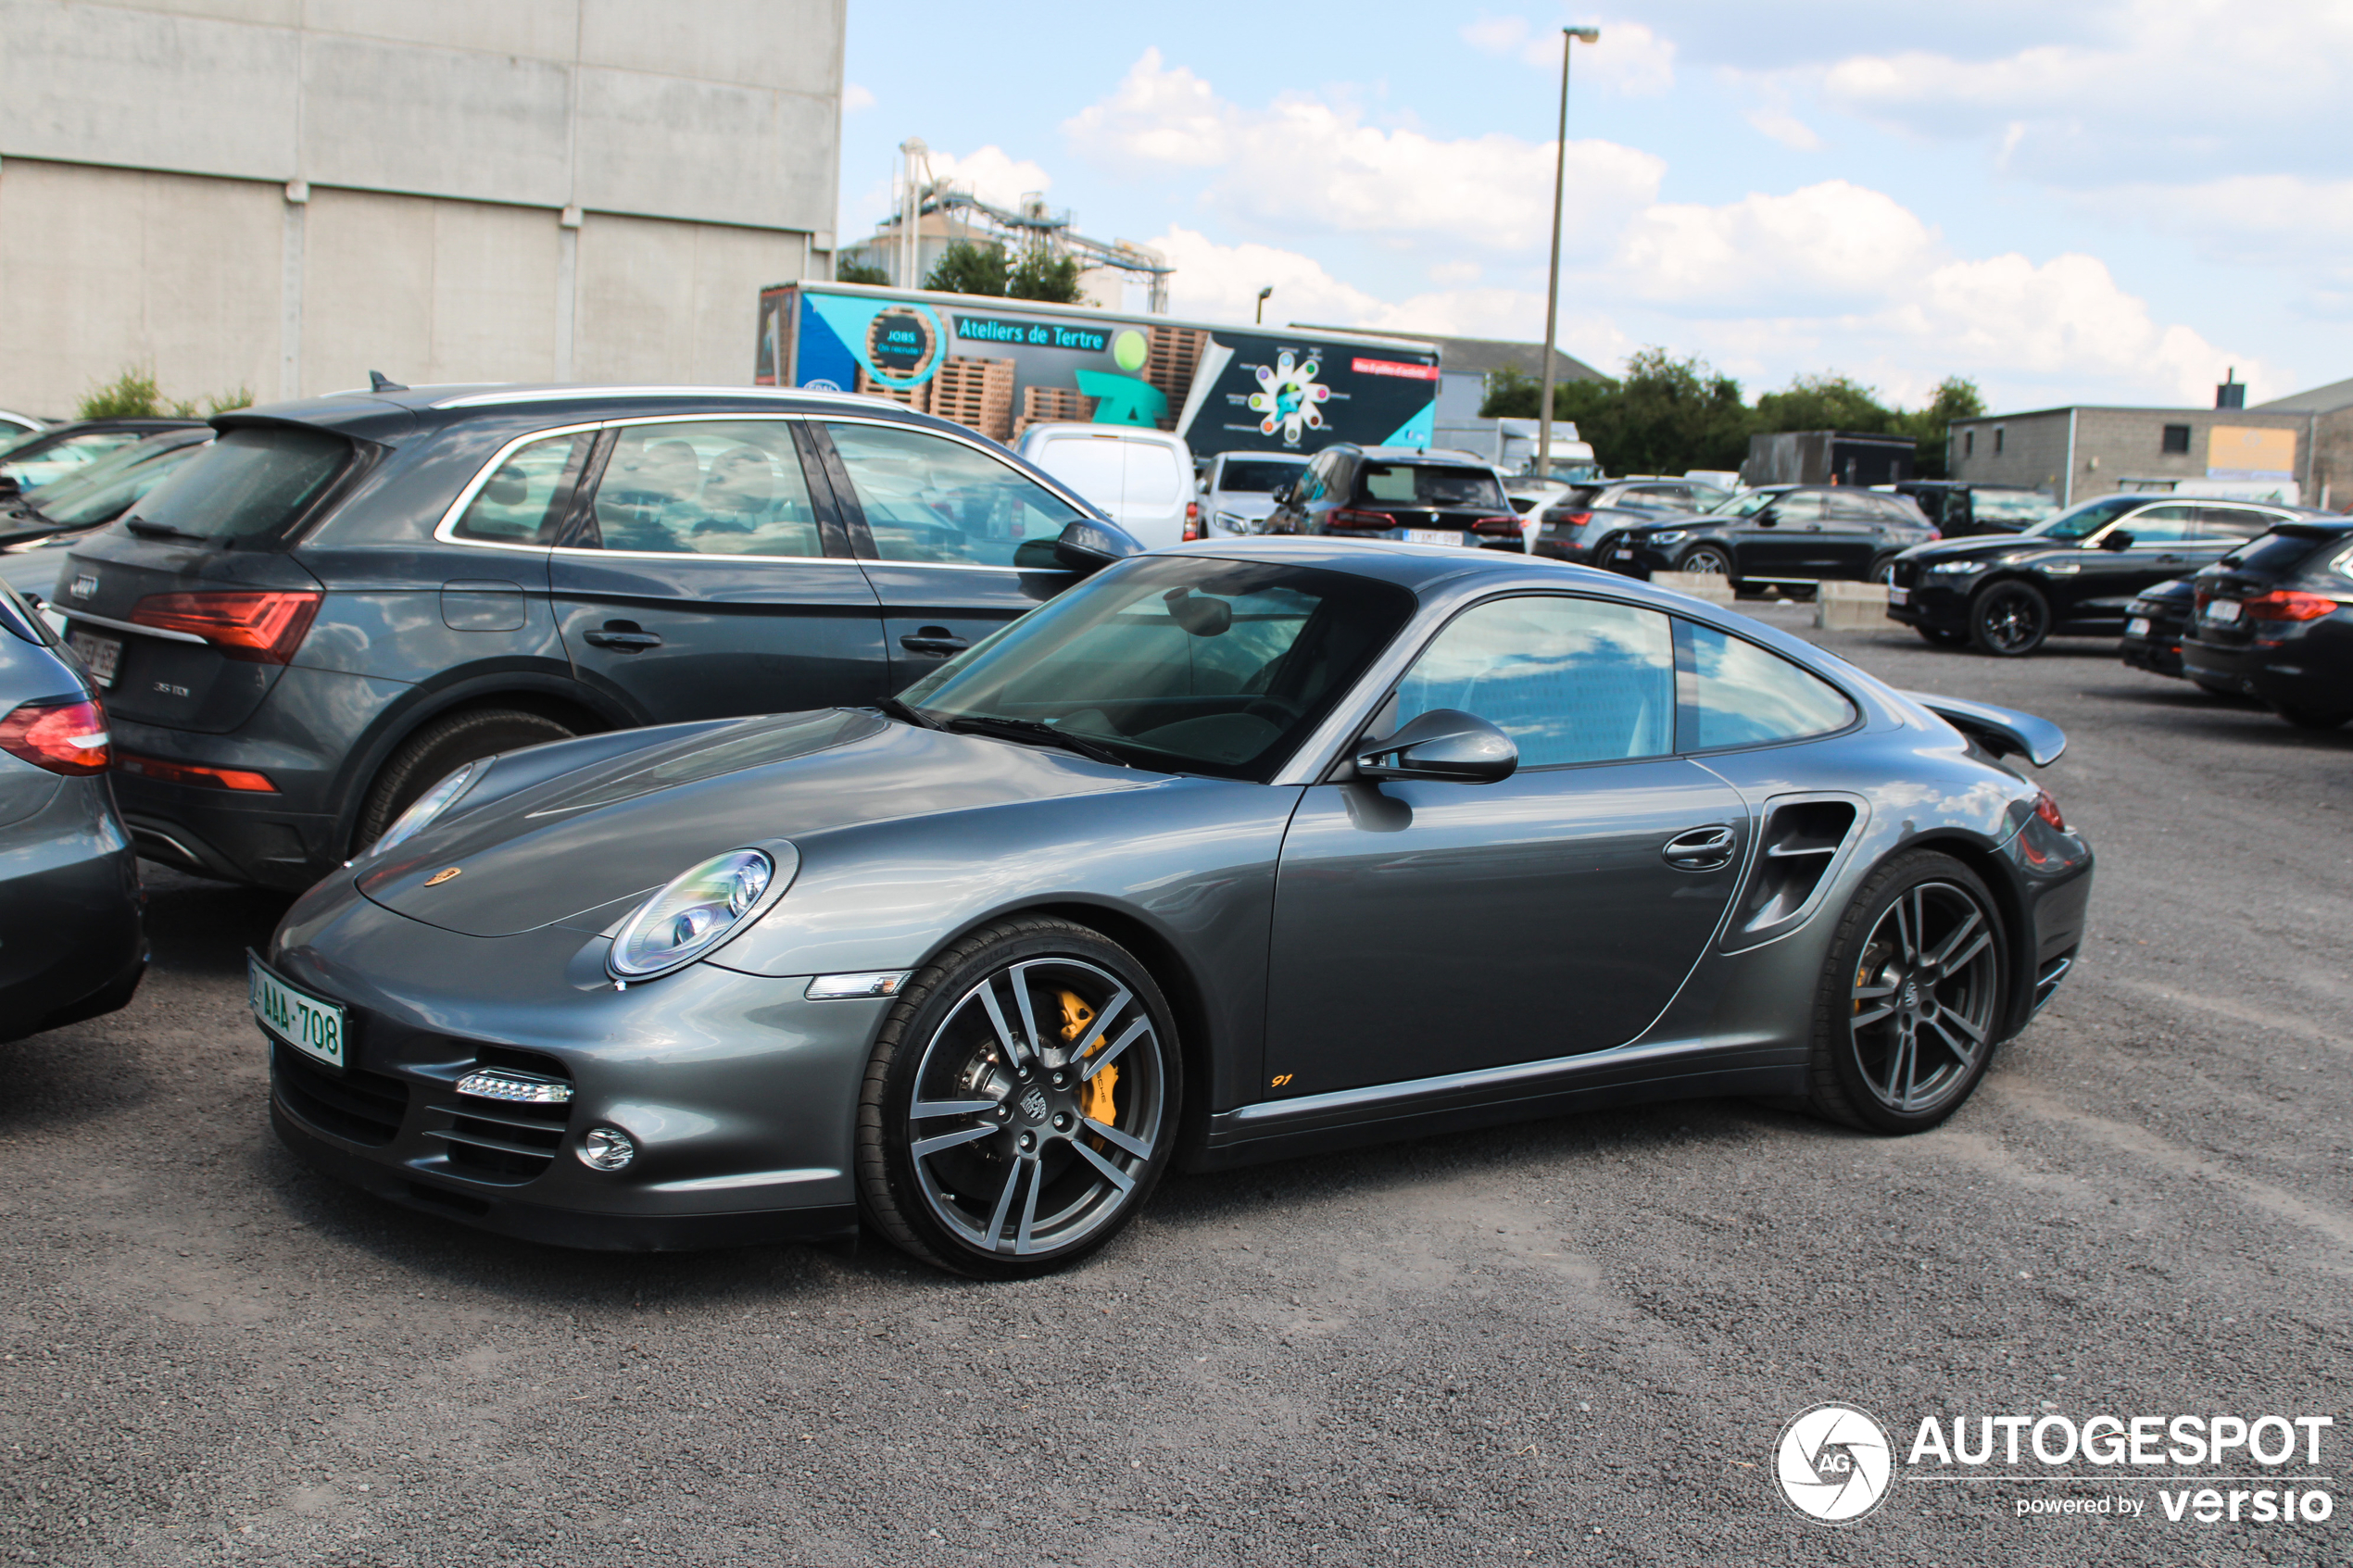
1706, 560
1911, 998
2310, 718
2009, 619
439, 750
1021, 1103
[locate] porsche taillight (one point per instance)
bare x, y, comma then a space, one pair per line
259, 626
2046, 806
63, 737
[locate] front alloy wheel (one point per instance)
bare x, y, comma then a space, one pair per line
1021, 1101
1706, 562
1912, 998
2009, 619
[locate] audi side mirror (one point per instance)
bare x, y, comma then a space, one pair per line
2116, 539
1444, 744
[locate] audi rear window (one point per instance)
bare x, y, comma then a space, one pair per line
254, 482
2276, 555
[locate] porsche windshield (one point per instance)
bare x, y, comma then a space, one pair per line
1183, 664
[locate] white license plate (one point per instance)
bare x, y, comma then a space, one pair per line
1899, 596
1430, 536
2225, 610
309, 1025
1622, 554
103, 654
2137, 627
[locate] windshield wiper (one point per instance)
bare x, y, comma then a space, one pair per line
909, 714
146, 530
1031, 729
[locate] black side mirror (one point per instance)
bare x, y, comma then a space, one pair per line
1198, 613
1287, 494
1085, 547
1768, 518
2116, 539
1445, 743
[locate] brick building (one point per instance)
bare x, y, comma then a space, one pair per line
2074, 454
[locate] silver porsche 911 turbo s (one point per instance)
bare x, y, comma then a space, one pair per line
1236, 851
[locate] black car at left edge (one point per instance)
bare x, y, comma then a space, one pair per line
344, 599
2074, 575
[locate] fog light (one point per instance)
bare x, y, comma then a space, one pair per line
606, 1149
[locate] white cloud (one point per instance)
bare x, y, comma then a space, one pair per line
1786, 129
1303, 164
991, 173
854, 97
1630, 60
1818, 247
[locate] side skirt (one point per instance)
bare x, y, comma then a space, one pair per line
1562, 1086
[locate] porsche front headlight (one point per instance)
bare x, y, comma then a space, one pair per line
699, 909
430, 804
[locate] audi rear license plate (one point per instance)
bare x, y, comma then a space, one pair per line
103, 654
302, 1021
1430, 536
2224, 611
2137, 627
1899, 596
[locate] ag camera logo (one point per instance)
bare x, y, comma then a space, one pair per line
1833, 1463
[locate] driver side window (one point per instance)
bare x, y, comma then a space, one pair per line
1569, 679
2160, 525
929, 499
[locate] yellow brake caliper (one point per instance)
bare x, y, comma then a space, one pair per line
1097, 1104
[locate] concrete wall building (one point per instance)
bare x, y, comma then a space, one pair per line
284, 194
2328, 413
2077, 452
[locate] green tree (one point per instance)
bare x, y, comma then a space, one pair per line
859, 272
1039, 276
967, 267
1828, 401
1667, 415
133, 394
1957, 398
1514, 395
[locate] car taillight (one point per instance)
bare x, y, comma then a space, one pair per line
64, 737
1508, 525
1192, 520
197, 773
2287, 604
1348, 516
258, 627
2046, 808
1572, 519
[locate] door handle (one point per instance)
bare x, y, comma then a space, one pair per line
622, 637
938, 641
1702, 850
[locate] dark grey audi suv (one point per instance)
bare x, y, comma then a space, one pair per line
343, 599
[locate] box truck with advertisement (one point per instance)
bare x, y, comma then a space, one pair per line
998, 366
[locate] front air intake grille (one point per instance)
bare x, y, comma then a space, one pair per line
505, 1120
365, 1108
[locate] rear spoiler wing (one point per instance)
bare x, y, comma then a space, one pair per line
2004, 731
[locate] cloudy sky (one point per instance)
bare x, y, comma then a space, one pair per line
2087, 200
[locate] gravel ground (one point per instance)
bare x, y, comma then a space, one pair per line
1571, 1341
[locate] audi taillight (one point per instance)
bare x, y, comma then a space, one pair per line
197, 773
1506, 525
1572, 519
64, 737
260, 627
2287, 604
1350, 517
2046, 808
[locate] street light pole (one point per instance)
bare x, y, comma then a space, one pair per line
1553, 288
1264, 294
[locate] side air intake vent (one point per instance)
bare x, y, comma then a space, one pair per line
1801, 842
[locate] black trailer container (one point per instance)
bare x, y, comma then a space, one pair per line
1827, 456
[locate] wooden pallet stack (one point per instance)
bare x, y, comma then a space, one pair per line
977, 394
1175, 355
915, 397
1052, 404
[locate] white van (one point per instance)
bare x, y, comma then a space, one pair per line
1143, 478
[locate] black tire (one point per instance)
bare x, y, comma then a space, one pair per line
1883, 571
2009, 619
1943, 636
440, 748
2310, 718
1882, 1008
1032, 1125
1708, 561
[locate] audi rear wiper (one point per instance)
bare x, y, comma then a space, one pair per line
1031, 729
